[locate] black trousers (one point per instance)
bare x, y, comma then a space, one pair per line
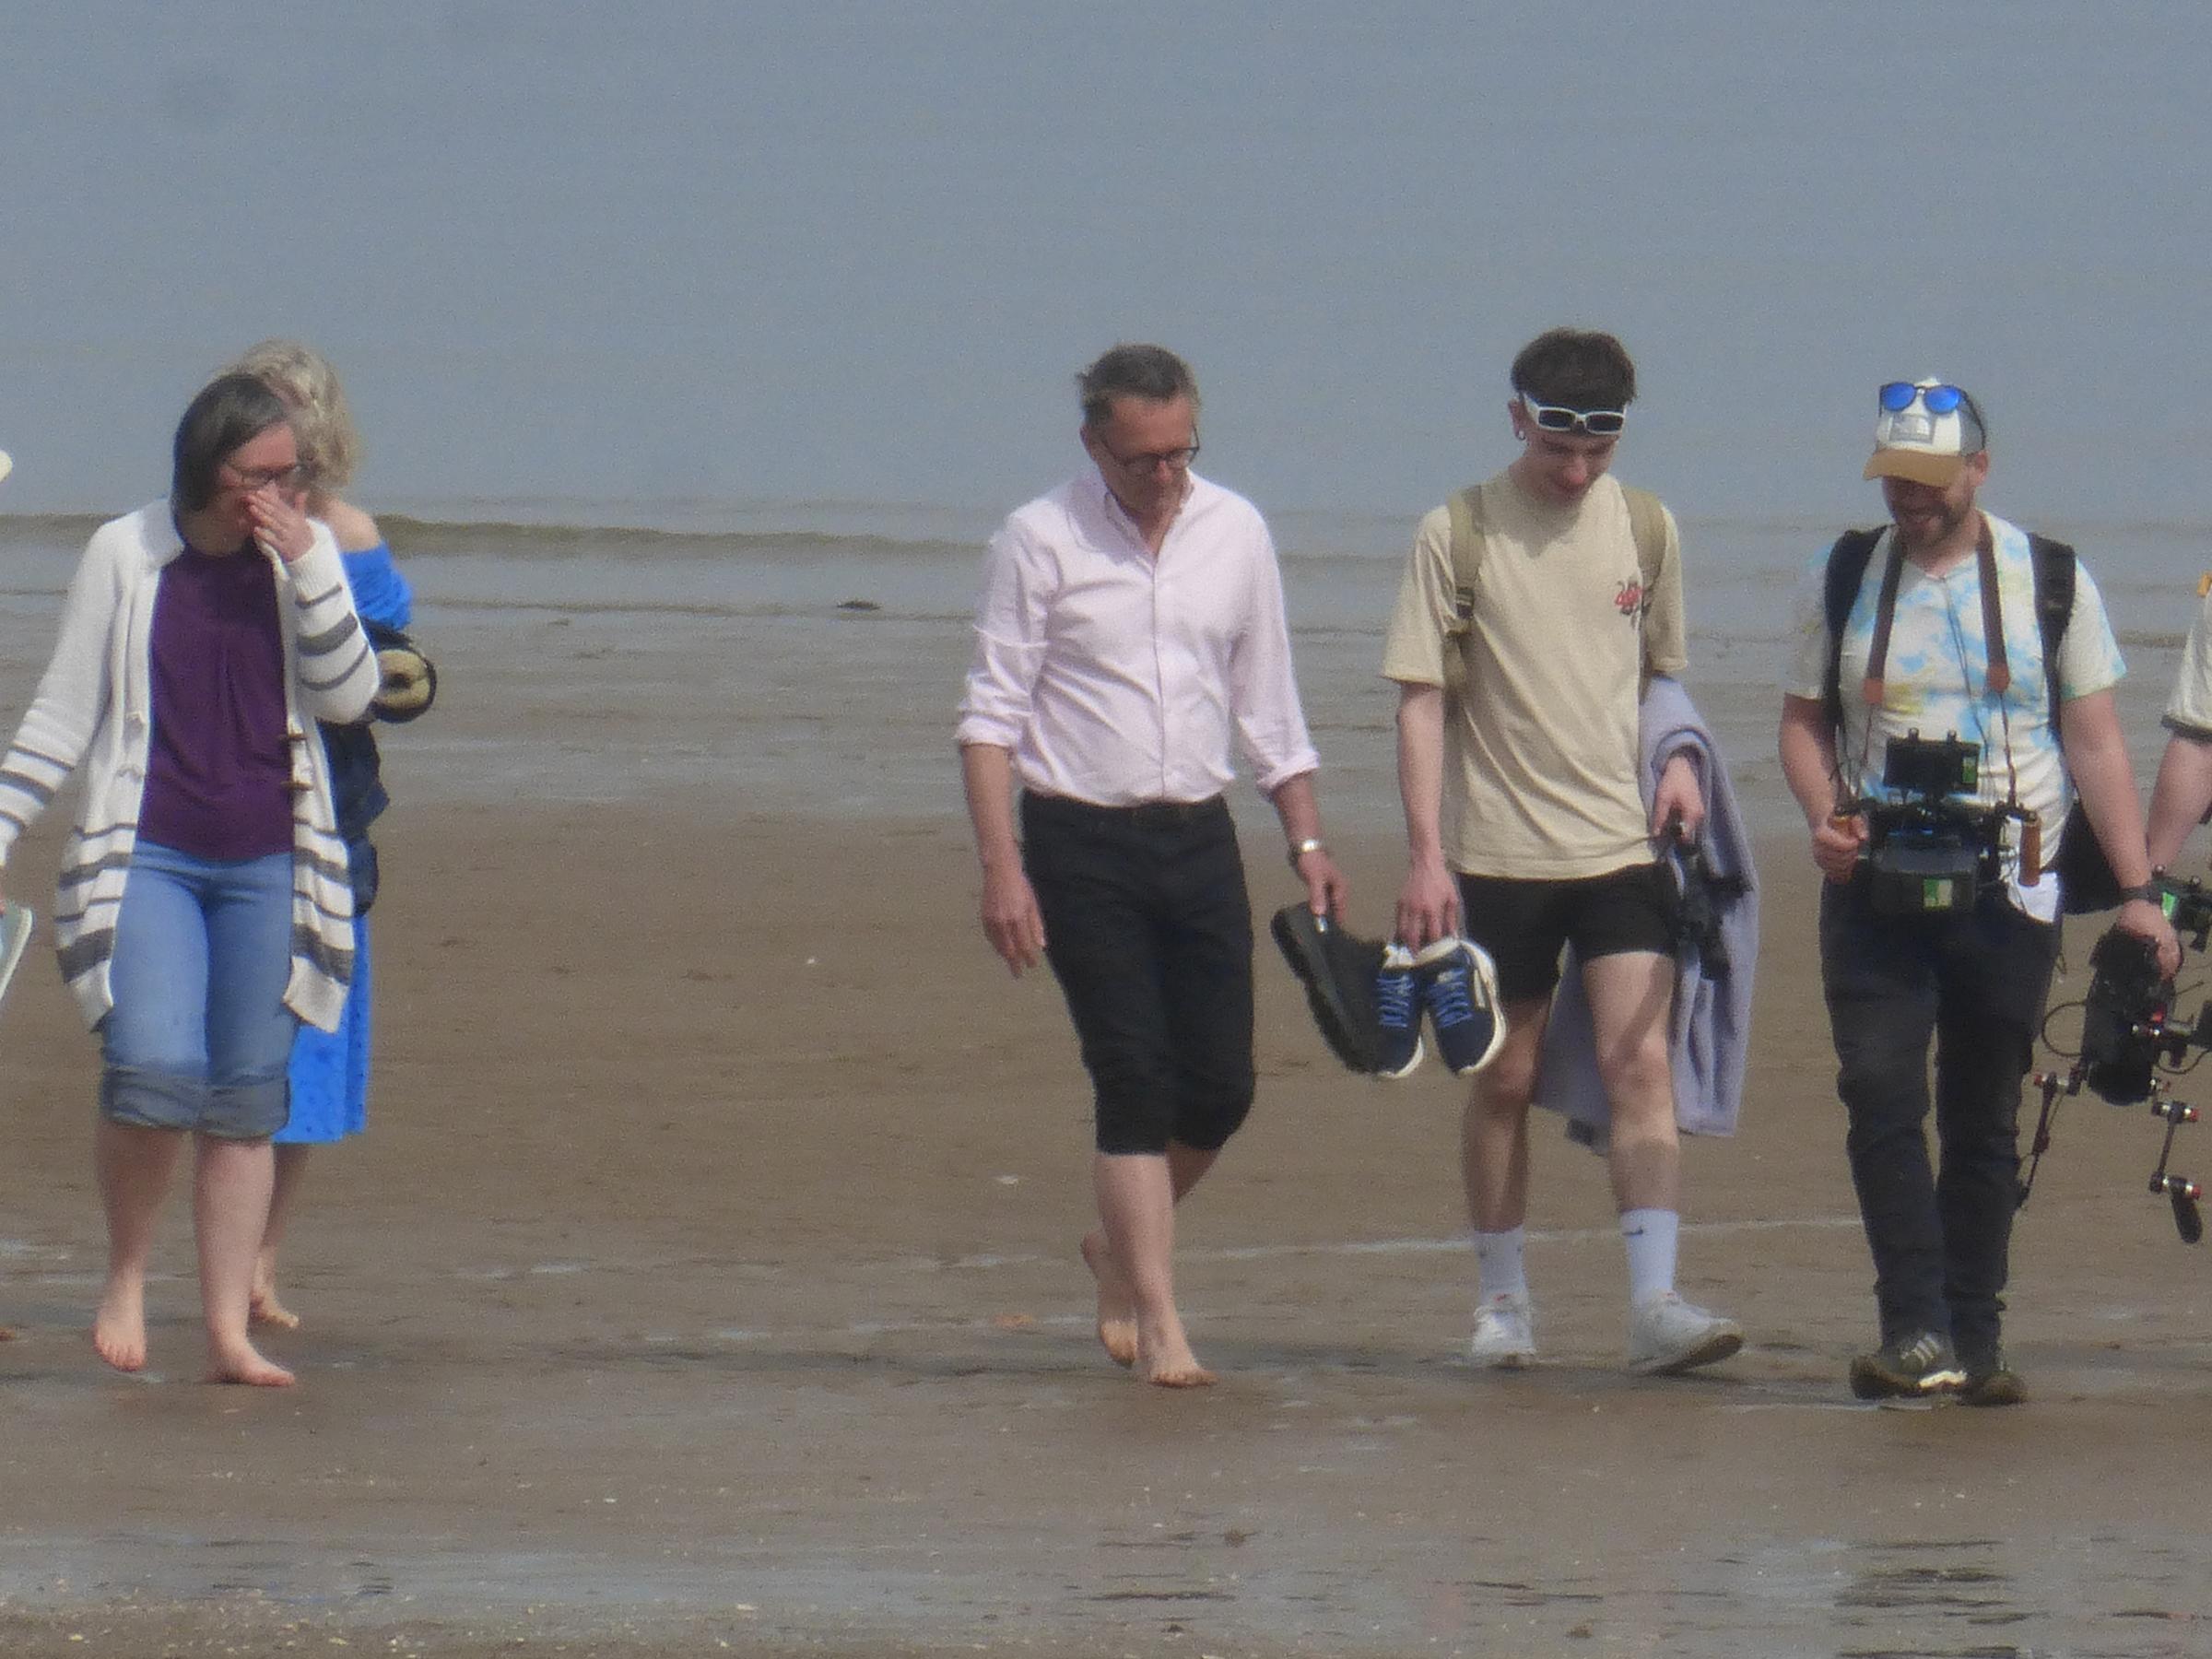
1975, 983
1148, 931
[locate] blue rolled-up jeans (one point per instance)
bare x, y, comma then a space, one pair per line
199, 1037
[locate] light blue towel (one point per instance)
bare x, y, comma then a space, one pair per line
1711, 1030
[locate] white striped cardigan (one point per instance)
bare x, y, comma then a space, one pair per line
94, 708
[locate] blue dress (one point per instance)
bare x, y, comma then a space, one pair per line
330, 1069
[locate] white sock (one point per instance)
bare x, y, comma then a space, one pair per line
1650, 1236
1499, 1264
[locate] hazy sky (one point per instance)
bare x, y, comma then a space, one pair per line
753, 252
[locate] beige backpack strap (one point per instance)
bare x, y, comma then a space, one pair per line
1466, 508
1647, 528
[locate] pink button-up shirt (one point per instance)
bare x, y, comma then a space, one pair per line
1116, 677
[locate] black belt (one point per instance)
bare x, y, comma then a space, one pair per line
1145, 815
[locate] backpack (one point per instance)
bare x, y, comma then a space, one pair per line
2086, 881
1647, 528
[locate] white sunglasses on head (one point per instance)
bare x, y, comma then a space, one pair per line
1597, 423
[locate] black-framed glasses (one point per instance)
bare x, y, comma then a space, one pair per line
1174, 460
1598, 423
260, 477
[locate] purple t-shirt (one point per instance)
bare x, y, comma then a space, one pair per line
218, 779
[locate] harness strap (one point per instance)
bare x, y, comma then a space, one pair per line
1871, 690
1992, 619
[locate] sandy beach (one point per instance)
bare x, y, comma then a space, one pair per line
707, 1280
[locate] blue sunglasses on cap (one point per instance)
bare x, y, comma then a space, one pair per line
1899, 395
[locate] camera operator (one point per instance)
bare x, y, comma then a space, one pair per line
1943, 632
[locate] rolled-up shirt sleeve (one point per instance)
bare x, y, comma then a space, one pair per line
1271, 726
1010, 619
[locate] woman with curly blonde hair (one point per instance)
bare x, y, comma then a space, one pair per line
330, 1071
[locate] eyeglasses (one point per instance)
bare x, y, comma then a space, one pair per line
1174, 460
1899, 395
1598, 423
261, 477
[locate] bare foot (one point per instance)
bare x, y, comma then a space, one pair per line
1189, 1377
241, 1362
1183, 1373
118, 1327
264, 1309
1117, 1305
1165, 1359
262, 1306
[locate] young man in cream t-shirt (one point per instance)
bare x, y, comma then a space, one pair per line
1526, 829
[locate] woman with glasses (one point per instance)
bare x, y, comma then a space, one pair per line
330, 1069
204, 908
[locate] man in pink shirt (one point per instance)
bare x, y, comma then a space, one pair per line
1130, 633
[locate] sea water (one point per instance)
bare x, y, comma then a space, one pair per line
818, 670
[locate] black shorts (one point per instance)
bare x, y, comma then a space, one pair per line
1149, 934
1524, 924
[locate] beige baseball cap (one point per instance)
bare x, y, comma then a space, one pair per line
1924, 431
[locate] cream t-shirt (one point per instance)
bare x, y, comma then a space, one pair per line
1541, 754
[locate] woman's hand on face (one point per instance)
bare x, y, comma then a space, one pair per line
279, 524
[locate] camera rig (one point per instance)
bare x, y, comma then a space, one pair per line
1933, 846
2132, 1044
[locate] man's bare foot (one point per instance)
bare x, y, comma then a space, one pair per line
264, 1309
241, 1362
1117, 1303
118, 1327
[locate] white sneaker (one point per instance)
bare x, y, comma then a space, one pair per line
1667, 1335
1504, 1337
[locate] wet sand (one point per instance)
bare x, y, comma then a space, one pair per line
707, 1282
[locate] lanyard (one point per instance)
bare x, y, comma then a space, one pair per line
1873, 690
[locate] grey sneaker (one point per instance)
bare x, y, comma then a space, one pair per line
1993, 1381
1667, 1335
1910, 1367
1504, 1333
